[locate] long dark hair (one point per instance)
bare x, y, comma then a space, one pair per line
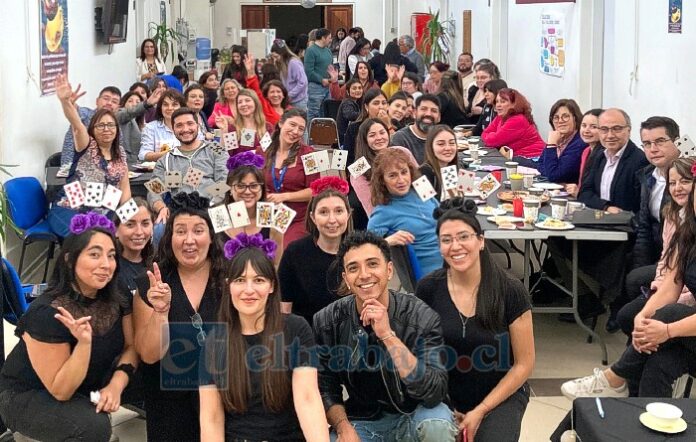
311, 227
281, 48
173, 95
671, 210
682, 247
64, 279
495, 282
276, 385
275, 140
362, 149
279, 84
142, 49
194, 205
236, 71
148, 252
370, 73
451, 87
114, 149
430, 157
367, 98
139, 120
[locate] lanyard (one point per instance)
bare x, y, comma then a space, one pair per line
278, 182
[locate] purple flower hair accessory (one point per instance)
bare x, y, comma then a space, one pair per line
243, 241
248, 158
83, 222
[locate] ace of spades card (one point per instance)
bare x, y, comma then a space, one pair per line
449, 177
466, 181
220, 218
487, 186
229, 140
193, 177
248, 137
74, 193
172, 179
359, 167
127, 210
264, 214
94, 194
283, 218
423, 188
238, 214
685, 146
338, 160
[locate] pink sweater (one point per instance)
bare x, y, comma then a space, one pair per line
517, 133
220, 109
667, 231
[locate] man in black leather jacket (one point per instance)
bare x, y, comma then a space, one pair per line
385, 348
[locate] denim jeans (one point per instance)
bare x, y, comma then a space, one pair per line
301, 104
316, 93
59, 219
422, 425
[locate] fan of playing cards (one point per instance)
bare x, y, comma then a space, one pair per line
236, 215
95, 195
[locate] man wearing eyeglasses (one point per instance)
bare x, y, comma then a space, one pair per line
612, 183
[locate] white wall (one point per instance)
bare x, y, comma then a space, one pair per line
666, 70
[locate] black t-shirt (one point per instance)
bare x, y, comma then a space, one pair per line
258, 423
128, 272
309, 277
484, 357
40, 322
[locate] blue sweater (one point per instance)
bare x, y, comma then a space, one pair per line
411, 214
566, 168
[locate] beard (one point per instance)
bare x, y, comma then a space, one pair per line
424, 126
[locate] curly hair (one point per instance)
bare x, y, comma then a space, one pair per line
386, 159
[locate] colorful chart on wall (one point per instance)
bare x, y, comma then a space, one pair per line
553, 44
53, 27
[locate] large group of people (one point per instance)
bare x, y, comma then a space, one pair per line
247, 333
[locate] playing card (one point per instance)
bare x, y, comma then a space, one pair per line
155, 185
229, 140
264, 214
74, 193
238, 214
248, 137
127, 210
283, 218
338, 160
488, 185
172, 179
466, 181
686, 146
193, 177
265, 141
94, 194
217, 189
112, 195
449, 177
217, 148
220, 218
423, 188
310, 163
359, 167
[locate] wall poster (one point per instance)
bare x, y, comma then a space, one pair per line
674, 21
53, 27
553, 44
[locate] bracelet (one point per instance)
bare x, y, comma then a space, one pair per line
392, 334
668, 336
550, 146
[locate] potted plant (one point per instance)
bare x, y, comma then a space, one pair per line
164, 37
437, 38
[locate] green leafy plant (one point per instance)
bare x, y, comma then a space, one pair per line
437, 38
164, 38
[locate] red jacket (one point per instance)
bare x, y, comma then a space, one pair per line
516, 133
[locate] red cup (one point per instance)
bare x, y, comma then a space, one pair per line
517, 207
498, 174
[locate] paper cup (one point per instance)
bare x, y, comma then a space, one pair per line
474, 153
665, 415
528, 180
531, 210
536, 192
516, 184
510, 168
558, 208
574, 206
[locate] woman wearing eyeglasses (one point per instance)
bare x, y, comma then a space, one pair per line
245, 179
172, 308
99, 158
560, 160
487, 320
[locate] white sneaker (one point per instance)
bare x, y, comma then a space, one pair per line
595, 385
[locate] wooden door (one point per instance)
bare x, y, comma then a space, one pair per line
255, 17
338, 16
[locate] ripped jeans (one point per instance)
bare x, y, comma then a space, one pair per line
422, 425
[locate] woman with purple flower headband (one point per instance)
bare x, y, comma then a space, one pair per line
263, 395
245, 179
70, 338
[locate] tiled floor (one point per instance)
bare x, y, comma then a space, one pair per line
561, 353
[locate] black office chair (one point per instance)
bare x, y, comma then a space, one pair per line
52, 161
329, 108
404, 270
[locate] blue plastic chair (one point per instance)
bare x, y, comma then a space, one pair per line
16, 296
28, 210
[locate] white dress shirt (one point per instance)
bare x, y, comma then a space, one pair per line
608, 173
656, 193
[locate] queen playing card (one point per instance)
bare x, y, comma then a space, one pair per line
156, 185
359, 167
423, 188
220, 218
283, 218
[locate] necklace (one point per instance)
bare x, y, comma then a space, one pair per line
464, 321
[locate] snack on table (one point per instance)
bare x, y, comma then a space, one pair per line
554, 223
